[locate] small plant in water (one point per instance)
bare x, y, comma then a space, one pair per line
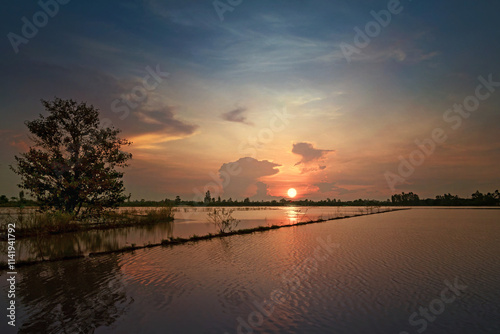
223, 220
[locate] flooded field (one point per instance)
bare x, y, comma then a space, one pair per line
188, 221
432, 270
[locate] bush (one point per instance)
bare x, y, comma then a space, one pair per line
223, 220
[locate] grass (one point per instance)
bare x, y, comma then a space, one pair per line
31, 223
154, 216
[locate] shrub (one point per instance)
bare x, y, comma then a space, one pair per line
223, 220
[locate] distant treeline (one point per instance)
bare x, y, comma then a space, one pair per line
476, 199
16, 201
403, 199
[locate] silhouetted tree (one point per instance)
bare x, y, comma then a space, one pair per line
21, 197
477, 196
73, 161
208, 197
405, 199
4, 199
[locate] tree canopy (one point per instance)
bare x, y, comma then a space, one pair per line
72, 165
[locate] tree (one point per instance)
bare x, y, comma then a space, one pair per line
477, 196
73, 161
4, 199
405, 199
208, 197
21, 197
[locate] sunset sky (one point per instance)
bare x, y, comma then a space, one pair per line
260, 96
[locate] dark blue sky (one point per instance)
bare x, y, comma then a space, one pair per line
227, 78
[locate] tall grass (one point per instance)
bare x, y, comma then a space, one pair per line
134, 216
36, 222
159, 215
32, 223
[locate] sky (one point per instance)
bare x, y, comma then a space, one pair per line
337, 99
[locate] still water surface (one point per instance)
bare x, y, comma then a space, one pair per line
188, 221
365, 274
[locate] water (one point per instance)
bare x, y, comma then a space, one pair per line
365, 274
188, 222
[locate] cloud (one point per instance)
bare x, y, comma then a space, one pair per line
262, 192
409, 49
309, 154
244, 178
163, 121
14, 140
326, 187
21, 145
158, 126
237, 116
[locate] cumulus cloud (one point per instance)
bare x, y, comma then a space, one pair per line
262, 192
309, 155
236, 115
241, 178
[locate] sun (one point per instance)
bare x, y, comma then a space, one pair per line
292, 192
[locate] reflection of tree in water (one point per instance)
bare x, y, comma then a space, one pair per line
230, 293
70, 244
226, 246
75, 296
79, 243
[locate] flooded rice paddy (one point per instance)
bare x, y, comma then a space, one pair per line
421, 270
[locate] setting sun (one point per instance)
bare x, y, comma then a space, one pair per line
292, 192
